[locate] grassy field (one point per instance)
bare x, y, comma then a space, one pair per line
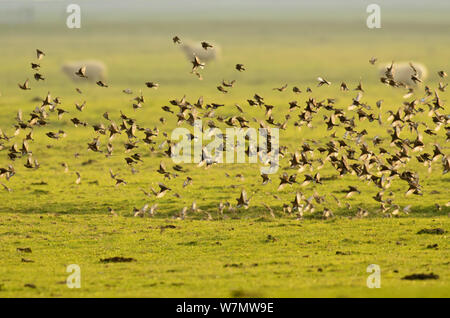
230, 258
246, 253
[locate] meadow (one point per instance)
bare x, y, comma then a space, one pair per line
240, 253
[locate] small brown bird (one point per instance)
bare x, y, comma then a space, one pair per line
152, 85
285, 179
162, 168
442, 87
80, 107
309, 178
119, 181
297, 203
242, 201
25, 85
265, 178
39, 54
196, 63
78, 181
101, 84
162, 190
415, 78
6, 187
322, 81
206, 45
187, 182
228, 84
57, 135
240, 67
344, 87
65, 166
94, 145
350, 191
140, 212
176, 40
282, 88
373, 60
81, 72
77, 122
38, 77
359, 87
111, 211
327, 213
221, 89
442, 74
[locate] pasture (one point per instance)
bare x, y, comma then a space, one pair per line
254, 252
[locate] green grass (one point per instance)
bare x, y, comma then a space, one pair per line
221, 258
65, 223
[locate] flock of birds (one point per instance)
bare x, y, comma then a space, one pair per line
351, 153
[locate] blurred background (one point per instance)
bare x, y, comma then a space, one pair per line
293, 40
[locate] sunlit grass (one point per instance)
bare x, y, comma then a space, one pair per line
65, 223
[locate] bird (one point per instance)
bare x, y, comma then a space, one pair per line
101, 84
39, 54
221, 89
196, 63
359, 87
240, 67
140, 212
206, 45
38, 77
151, 84
242, 201
80, 107
442, 74
282, 88
81, 72
442, 87
78, 180
350, 191
65, 166
228, 84
176, 40
322, 81
344, 87
25, 85
56, 135
162, 169
162, 190
265, 178
8, 189
187, 182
